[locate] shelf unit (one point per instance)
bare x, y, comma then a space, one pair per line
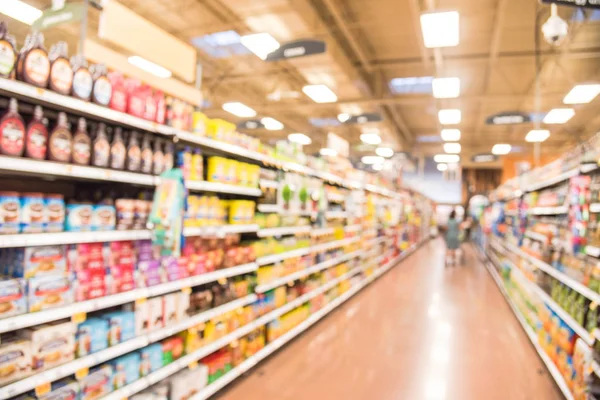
285, 230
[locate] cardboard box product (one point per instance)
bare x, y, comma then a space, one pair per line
97, 383
64, 389
170, 308
149, 273
29, 262
187, 383
46, 292
13, 297
122, 326
151, 358
172, 349
92, 336
126, 370
51, 344
142, 318
155, 306
15, 360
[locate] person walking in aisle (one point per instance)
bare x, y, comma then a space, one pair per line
452, 238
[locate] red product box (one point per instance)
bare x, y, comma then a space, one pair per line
118, 100
88, 262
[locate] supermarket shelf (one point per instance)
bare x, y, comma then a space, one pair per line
536, 236
221, 147
336, 197
550, 210
558, 378
376, 241
588, 167
332, 245
40, 317
592, 251
139, 342
49, 239
286, 230
596, 368
322, 231
595, 207
219, 230
283, 256
353, 228
553, 181
28, 166
336, 214
300, 274
216, 187
268, 208
267, 183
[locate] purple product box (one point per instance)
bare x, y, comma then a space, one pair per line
149, 273
172, 269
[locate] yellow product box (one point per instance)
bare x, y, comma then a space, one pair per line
223, 212
231, 172
217, 169
243, 173
214, 128
236, 212
212, 217
202, 211
199, 123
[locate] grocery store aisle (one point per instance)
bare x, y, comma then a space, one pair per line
422, 331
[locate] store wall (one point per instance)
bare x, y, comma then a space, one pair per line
479, 181
510, 163
433, 185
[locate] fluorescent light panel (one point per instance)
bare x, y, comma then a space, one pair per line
450, 135
440, 29
20, 11
372, 160
446, 158
299, 138
452, 148
537, 135
384, 152
271, 124
442, 167
239, 109
446, 88
582, 94
450, 117
559, 116
149, 67
261, 44
328, 152
377, 167
320, 93
343, 117
370, 138
501, 149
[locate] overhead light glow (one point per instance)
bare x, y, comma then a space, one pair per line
343, 117
20, 11
299, 138
384, 152
372, 160
370, 138
537, 135
377, 167
440, 29
261, 44
452, 148
582, 94
442, 167
320, 93
501, 149
239, 109
416, 84
446, 88
149, 66
559, 116
450, 117
446, 158
271, 124
327, 152
450, 135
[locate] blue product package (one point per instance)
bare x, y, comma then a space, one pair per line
64, 389
92, 336
10, 210
32, 213
97, 383
126, 370
13, 297
79, 217
104, 218
121, 325
151, 358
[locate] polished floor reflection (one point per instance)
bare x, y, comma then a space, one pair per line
421, 332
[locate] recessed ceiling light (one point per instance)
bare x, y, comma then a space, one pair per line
343, 117
582, 94
537, 135
559, 116
261, 44
271, 124
299, 138
446, 158
442, 167
320, 93
446, 88
452, 148
416, 84
377, 167
370, 138
440, 29
20, 11
450, 117
325, 151
501, 149
372, 160
384, 152
239, 109
149, 66
450, 135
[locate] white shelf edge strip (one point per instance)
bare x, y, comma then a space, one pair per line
353, 228
216, 187
550, 210
219, 230
332, 245
139, 342
536, 236
56, 238
268, 183
286, 230
553, 181
36, 318
531, 335
283, 256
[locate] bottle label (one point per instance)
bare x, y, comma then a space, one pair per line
81, 152
82, 83
117, 156
158, 163
61, 76
133, 158
37, 67
12, 139
146, 160
101, 153
7, 58
102, 91
60, 146
37, 138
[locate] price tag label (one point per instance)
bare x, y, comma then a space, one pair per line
141, 301
82, 373
193, 365
79, 318
593, 305
187, 290
42, 389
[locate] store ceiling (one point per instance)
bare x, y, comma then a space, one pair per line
368, 46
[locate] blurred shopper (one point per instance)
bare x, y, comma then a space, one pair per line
467, 226
452, 239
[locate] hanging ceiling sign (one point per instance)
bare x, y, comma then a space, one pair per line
508, 118
363, 118
298, 48
250, 124
483, 158
576, 3
69, 13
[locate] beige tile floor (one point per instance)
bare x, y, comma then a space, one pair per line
421, 332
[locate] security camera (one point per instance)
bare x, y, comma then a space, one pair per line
556, 29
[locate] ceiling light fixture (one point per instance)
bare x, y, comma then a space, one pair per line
372, 160
450, 135
20, 11
239, 109
384, 152
440, 29
327, 152
299, 138
537, 135
450, 117
446, 88
320, 93
149, 66
261, 44
452, 148
271, 124
446, 158
501, 149
343, 117
559, 116
377, 167
370, 138
442, 167
582, 94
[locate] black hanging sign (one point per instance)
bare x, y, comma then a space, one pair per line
576, 3
483, 158
250, 124
298, 48
363, 118
508, 118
